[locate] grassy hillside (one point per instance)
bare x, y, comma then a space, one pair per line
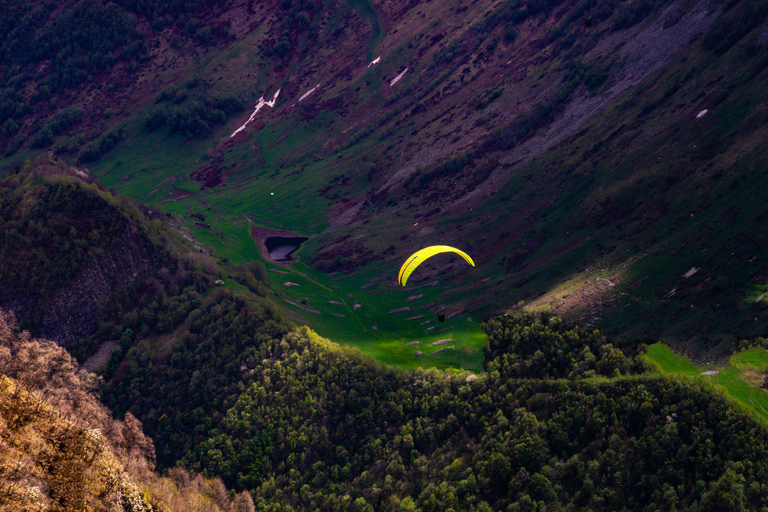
563, 144
560, 417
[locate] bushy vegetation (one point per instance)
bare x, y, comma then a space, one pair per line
422, 178
50, 229
735, 24
55, 432
541, 114
544, 347
748, 343
187, 388
94, 149
62, 120
46, 51
631, 13
190, 111
323, 428
297, 17
156, 305
78, 471
185, 14
514, 12
90, 37
54, 227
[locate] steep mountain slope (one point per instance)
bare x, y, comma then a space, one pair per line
61, 449
67, 250
558, 141
560, 418
170, 313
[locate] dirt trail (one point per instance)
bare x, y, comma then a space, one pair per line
302, 307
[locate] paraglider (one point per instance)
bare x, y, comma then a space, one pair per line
419, 257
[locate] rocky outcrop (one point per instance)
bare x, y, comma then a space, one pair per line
75, 309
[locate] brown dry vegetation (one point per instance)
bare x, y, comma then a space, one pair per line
60, 449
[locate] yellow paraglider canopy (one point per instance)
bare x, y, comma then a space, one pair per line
418, 257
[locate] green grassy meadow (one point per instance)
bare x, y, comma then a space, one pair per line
606, 196
671, 362
741, 377
357, 309
275, 180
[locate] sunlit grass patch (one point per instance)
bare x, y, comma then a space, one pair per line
742, 377
670, 362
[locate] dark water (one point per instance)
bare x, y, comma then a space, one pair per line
280, 248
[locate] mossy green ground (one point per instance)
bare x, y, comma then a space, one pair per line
741, 377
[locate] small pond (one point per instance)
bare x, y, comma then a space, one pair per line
280, 248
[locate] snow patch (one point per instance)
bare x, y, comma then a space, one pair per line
259, 105
702, 113
375, 61
691, 272
398, 77
303, 96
